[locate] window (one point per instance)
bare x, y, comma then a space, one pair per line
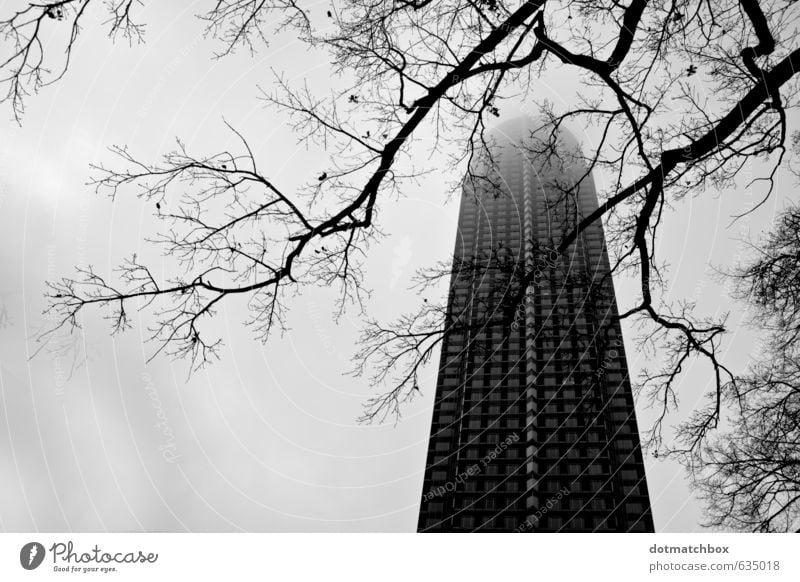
634, 508
626, 444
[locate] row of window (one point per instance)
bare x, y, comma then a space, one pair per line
550, 522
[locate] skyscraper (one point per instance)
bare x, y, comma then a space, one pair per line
533, 425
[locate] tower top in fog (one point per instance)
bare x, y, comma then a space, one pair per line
527, 129
547, 149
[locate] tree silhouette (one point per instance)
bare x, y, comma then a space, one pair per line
750, 474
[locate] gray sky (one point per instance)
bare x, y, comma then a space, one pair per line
265, 439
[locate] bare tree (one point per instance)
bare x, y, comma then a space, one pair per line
750, 473
684, 95
27, 67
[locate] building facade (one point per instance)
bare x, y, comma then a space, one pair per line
533, 426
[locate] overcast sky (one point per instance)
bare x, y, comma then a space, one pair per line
92, 437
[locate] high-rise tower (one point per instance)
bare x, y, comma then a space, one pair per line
533, 425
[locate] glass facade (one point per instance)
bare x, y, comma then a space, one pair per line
533, 425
